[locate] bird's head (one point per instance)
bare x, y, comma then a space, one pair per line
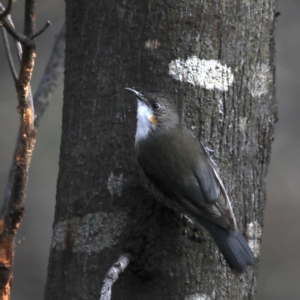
155, 113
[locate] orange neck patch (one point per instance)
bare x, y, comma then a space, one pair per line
153, 119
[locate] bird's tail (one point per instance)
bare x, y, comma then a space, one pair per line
233, 246
231, 243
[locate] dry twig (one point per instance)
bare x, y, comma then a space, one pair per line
113, 274
5, 12
15, 206
9, 56
18, 178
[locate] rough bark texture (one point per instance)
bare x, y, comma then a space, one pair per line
102, 208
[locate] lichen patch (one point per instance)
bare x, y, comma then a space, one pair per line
115, 184
198, 297
90, 233
209, 74
254, 232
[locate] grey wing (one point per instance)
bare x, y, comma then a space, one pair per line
199, 192
207, 196
202, 182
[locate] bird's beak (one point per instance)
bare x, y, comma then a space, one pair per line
139, 95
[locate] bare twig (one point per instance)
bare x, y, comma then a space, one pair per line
18, 44
7, 46
42, 95
27, 136
7, 23
16, 35
113, 274
29, 53
9, 55
15, 206
48, 23
6, 11
48, 83
12, 168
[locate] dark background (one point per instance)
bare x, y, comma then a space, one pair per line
279, 275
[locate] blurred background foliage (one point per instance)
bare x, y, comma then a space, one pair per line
279, 274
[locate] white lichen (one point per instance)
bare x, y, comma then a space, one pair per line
254, 232
152, 44
259, 81
89, 233
221, 110
243, 124
198, 297
115, 184
209, 74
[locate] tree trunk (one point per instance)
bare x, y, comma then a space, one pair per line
216, 58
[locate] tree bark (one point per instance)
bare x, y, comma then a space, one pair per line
216, 58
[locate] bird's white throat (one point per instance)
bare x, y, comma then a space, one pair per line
144, 114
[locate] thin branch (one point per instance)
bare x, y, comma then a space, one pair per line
10, 22
9, 55
18, 44
6, 41
27, 136
15, 206
20, 55
10, 181
48, 83
13, 209
16, 35
42, 96
6, 11
7, 23
29, 53
113, 274
15, 77
29, 18
19, 50
48, 23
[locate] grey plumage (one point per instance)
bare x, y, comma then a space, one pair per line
184, 178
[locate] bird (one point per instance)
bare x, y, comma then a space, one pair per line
180, 173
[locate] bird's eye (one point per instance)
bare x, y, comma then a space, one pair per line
156, 106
